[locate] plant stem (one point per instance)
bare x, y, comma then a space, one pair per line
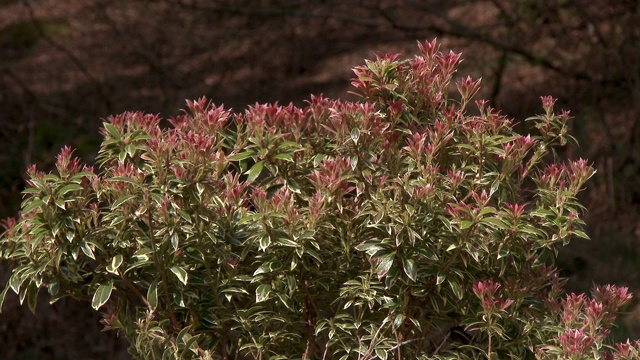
310, 348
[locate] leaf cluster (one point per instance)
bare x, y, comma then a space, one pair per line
402, 225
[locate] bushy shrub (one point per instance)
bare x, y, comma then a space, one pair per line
404, 225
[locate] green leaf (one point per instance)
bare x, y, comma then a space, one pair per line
355, 135
31, 191
131, 150
398, 321
385, 264
267, 267
456, 288
286, 300
262, 292
123, 179
31, 204
287, 144
580, 234
200, 187
183, 214
255, 171
122, 200
112, 130
82, 174
242, 156
284, 156
287, 242
354, 162
15, 282
369, 247
69, 188
409, 267
317, 160
495, 222
152, 294
87, 250
180, 273
115, 263
175, 241
265, 241
158, 198
102, 295
32, 296
60, 203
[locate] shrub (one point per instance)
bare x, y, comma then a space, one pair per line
403, 225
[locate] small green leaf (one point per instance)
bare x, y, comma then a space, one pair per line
180, 273
262, 292
69, 188
284, 156
398, 321
200, 188
265, 241
102, 295
580, 234
456, 288
15, 282
385, 264
31, 204
267, 267
255, 171
183, 214
287, 242
87, 250
409, 267
242, 156
115, 263
82, 174
355, 135
152, 294
158, 198
60, 203
122, 200
381, 353
317, 160
112, 130
286, 300
32, 296
31, 191
288, 145
354, 162
123, 179
175, 241
495, 222
131, 150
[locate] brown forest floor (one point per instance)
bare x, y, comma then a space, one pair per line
65, 64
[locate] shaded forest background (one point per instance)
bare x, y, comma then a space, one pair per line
66, 64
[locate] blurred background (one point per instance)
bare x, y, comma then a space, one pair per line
67, 64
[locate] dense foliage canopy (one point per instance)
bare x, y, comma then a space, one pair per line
408, 224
